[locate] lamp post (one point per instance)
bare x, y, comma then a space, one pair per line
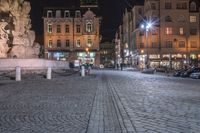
146, 26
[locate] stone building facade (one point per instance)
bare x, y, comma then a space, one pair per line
72, 34
172, 38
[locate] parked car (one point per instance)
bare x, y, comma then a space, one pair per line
195, 75
149, 71
190, 71
178, 73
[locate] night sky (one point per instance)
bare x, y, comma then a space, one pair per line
110, 10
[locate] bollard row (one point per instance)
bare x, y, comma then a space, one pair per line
18, 73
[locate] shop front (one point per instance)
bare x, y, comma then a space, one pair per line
86, 57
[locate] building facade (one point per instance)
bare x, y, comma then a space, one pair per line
166, 33
72, 34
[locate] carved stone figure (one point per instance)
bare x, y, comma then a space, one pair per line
16, 38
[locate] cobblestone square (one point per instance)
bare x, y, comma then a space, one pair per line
106, 101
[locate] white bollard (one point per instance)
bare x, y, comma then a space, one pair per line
18, 74
49, 73
82, 71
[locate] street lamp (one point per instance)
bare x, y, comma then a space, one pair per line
146, 26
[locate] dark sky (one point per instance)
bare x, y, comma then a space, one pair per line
110, 10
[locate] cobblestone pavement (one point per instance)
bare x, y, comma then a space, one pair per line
105, 102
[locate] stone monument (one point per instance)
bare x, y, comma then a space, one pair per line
16, 38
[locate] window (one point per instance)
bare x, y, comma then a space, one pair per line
154, 32
153, 6
49, 14
193, 31
181, 31
141, 45
168, 44
78, 29
181, 19
58, 14
181, 5
140, 11
193, 44
154, 45
78, 43
67, 43
67, 14
193, 6
78, 14
193, 19
89, 27
181, 44
89, 42
168, 30
58, 28
58, 43
66, 28
49, 28
168, 19
168, 5
50, 44
141, 33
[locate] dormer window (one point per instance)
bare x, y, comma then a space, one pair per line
58, 14
77, 14
67, 14
193, 6
49, 14
89, 26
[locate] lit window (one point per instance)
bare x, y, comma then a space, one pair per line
78, 28
181, 31
89, 27
67, 43
58, 14
58, 43
181, 44
58, 28
67, 14
168, 30
78, 43
193, 19
89, 42
66, 28
50, 44
49, 28
49, 14
78, 14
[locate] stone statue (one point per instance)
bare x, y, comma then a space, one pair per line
16, 38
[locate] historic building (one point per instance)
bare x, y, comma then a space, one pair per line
72, 34
165, 33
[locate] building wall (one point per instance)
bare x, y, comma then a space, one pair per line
73, 22
156, 42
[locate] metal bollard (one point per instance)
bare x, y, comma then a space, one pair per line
82, 71
49, 73
18, 74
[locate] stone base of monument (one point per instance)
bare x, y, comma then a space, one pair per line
32, 64
19, 67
